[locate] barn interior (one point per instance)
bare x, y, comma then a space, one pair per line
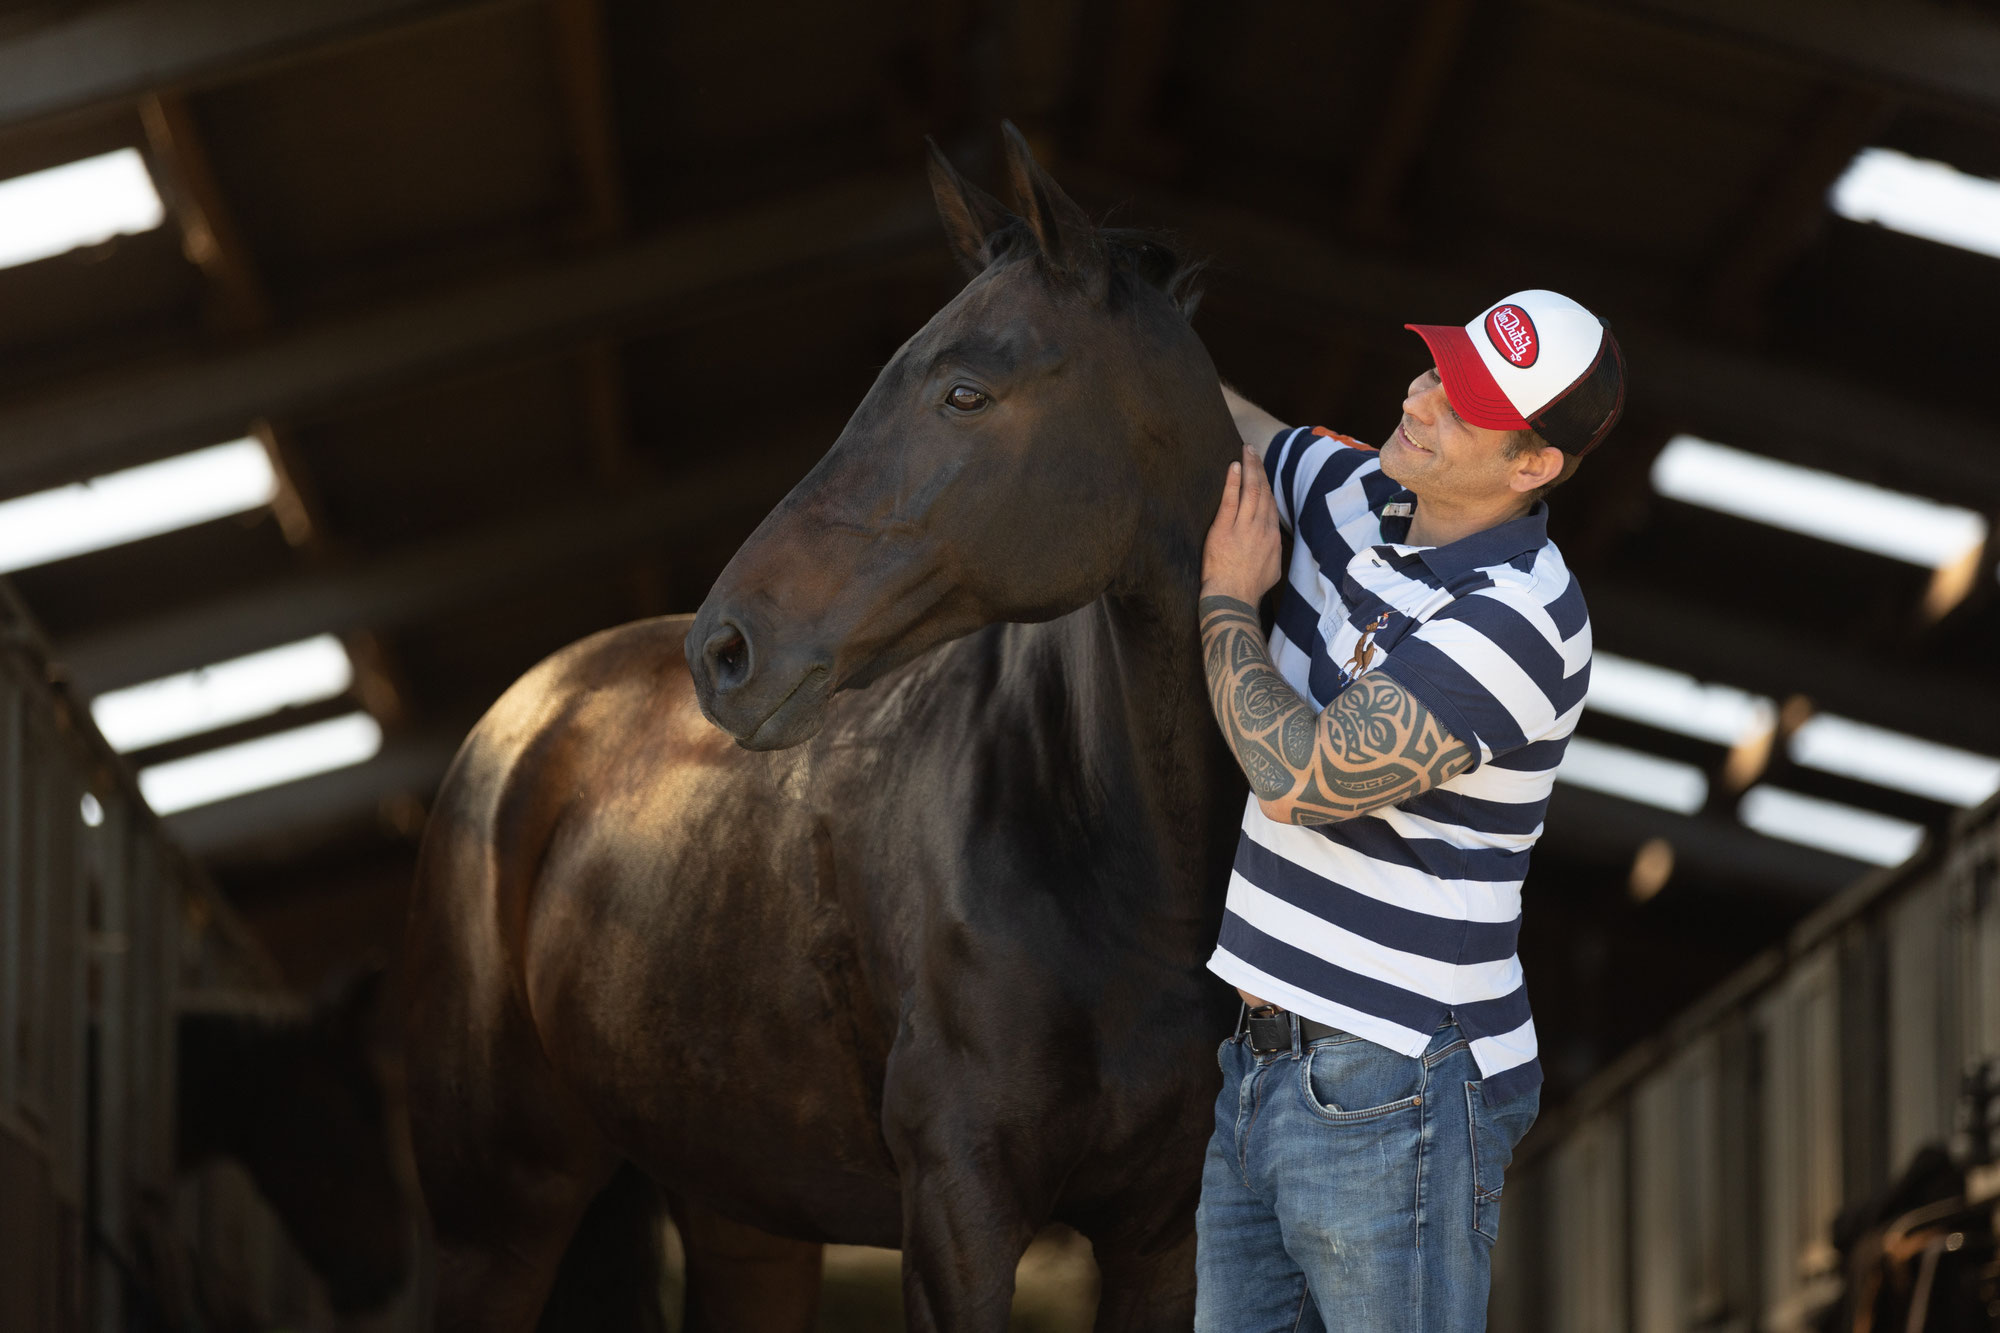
435, 335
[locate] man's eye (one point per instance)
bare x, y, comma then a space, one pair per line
965, 398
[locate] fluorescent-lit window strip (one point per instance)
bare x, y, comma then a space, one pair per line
144, 501
80, 203
222, 694
1634, 775
1860, 835
1919, 197
1818, 504
268, 761
1891, 759
1674, 702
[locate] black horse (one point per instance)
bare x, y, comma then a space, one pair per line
918, 965
296, 1100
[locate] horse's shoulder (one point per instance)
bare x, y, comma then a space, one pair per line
616, 669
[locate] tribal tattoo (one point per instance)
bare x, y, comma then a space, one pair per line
1374, 746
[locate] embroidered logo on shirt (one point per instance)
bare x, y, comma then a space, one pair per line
1364, 649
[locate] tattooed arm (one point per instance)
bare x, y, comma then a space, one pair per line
1375, 746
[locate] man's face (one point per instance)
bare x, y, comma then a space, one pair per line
1440, 456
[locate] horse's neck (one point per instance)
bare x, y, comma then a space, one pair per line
1132, 658
1139, 721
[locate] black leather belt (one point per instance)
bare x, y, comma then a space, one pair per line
1270, 1029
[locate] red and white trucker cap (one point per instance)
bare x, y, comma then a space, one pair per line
1534, 361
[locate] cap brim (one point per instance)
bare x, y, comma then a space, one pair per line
1467, 382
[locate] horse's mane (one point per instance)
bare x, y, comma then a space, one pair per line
1156, 258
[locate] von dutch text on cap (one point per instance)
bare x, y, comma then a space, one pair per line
1513, 335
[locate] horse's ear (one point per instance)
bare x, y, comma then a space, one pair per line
971, 216
1064, 231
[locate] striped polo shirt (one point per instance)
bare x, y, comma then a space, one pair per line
1385, 924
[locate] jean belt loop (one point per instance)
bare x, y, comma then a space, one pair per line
1298, 1046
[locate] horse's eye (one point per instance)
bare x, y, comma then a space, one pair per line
965, 398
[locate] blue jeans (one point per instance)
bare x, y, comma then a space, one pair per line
1348, 1187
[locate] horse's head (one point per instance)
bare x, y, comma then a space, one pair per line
999, 469
301, 1106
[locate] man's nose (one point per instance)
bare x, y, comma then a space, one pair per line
1421, 401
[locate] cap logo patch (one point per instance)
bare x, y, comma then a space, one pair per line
1513, 335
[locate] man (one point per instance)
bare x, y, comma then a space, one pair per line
1400, 732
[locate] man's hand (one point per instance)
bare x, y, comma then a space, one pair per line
1241, 556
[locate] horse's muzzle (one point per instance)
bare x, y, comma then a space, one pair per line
766, 700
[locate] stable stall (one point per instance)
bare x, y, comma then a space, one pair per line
1696, 1184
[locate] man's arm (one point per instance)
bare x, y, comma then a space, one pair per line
1375, 746
1253, 423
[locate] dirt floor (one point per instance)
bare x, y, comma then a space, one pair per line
1055, 1288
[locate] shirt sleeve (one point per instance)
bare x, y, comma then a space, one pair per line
1302, 460
1488, 669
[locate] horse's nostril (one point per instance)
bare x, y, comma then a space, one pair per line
728, 655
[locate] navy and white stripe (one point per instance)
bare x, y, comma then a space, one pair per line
1385, 924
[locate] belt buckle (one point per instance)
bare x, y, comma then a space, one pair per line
1268, 1023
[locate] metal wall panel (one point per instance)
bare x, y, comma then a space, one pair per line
1588, 1228
1799, 1029
12, 910
1919, 1069
1804, 1084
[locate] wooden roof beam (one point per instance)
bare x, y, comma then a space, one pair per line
1421, 82
210, 236
411, 765
115, 420
113, 52
411, 585
1943, 55
1590, 824
1748, 400
1790, 208
578, 30
1709, 640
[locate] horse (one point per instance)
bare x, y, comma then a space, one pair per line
295, 1099
870, 904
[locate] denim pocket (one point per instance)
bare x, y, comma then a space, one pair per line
1496, 1132
1346, 1081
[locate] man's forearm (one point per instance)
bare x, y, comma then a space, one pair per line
1376, 746
1267, 726
1253, 423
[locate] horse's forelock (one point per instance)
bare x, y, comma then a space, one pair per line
1156, 259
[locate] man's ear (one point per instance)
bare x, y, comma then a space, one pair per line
1536, 470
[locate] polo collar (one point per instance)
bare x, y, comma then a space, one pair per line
1491, 546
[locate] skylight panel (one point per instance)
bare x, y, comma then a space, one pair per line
144, 501
1830, 826
80, 203
1674, 702
1891, 759
1634, 775
268, 761
1818, 504
1919, 197
227, 692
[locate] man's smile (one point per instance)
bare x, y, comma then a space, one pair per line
1403, 434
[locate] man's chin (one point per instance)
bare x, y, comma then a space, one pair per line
1398, 460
